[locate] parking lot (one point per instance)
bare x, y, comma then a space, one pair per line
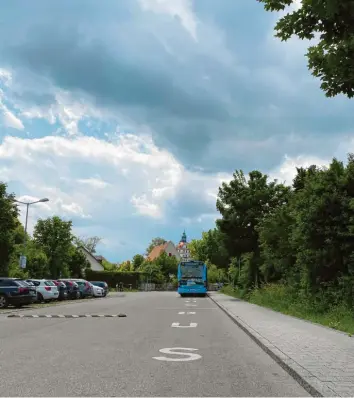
165, 346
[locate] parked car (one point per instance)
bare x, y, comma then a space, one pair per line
63, 291
72, 289
101, 284
46, 290
97, 291
84, 287
15, 292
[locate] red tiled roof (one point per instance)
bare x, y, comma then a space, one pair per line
156, 251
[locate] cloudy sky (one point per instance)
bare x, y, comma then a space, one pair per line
127, 114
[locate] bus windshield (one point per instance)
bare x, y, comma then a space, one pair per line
192, 271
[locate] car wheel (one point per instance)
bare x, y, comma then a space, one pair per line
18, 305
40, 297
78, 295
4, 302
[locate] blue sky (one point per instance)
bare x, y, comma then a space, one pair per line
128, 114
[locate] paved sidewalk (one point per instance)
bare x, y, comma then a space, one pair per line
321, 359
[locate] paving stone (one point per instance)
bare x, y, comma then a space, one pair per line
320, 356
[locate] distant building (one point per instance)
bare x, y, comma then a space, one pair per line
95, 265
168, 248
100, 259
182, 248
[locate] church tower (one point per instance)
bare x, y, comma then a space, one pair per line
182, 248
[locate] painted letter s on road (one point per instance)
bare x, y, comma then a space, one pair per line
188, 356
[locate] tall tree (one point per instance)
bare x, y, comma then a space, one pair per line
77, 263
332, 59
242, 204
155, 242
8, 225
90, 243
55, 237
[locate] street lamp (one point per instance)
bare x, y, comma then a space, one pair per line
23, 258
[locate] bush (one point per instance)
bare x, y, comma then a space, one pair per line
286, 299
112, 278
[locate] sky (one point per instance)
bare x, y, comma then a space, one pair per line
128, 114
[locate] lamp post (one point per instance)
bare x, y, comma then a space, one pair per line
23, 257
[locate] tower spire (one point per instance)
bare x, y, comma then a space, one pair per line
184, 237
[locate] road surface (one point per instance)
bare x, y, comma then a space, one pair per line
132, 356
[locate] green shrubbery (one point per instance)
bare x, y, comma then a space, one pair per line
286, 299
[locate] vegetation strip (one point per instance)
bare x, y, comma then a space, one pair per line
68, 316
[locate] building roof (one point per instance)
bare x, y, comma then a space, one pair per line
94, 264
156, 251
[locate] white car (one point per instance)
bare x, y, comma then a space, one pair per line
46, 290
97, 291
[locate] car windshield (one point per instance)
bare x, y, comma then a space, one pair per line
49, 283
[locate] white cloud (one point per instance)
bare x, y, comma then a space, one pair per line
287, 170
175, 8
94, 183
10, 120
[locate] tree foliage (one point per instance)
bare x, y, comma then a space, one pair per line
55, 237
90, 243
300, 235
8, 226
155, 242
332, 22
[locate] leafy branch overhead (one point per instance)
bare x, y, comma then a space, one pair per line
331, 24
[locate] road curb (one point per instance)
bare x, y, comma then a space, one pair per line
67, 316
283, 360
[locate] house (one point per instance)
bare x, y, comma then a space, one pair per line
100, 259
168, 248
94, 263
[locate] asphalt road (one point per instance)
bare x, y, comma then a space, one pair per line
116, 356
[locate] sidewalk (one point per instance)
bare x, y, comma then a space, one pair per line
321, 359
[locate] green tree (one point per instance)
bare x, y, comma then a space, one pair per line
8, 225
77, 263
210, 247
332, 21
167, 264
138, 260
90, 243
108, 266
126, 266
55, 237
243, 203
155, 242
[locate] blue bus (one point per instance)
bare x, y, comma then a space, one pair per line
192, 278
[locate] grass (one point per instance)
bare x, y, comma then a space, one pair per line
282, 299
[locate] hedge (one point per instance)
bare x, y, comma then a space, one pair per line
112, 278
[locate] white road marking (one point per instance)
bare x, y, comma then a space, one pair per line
177, 308
35, 316
191, 305
177, 325
74, 316
48, 316
174, 351
188, 313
